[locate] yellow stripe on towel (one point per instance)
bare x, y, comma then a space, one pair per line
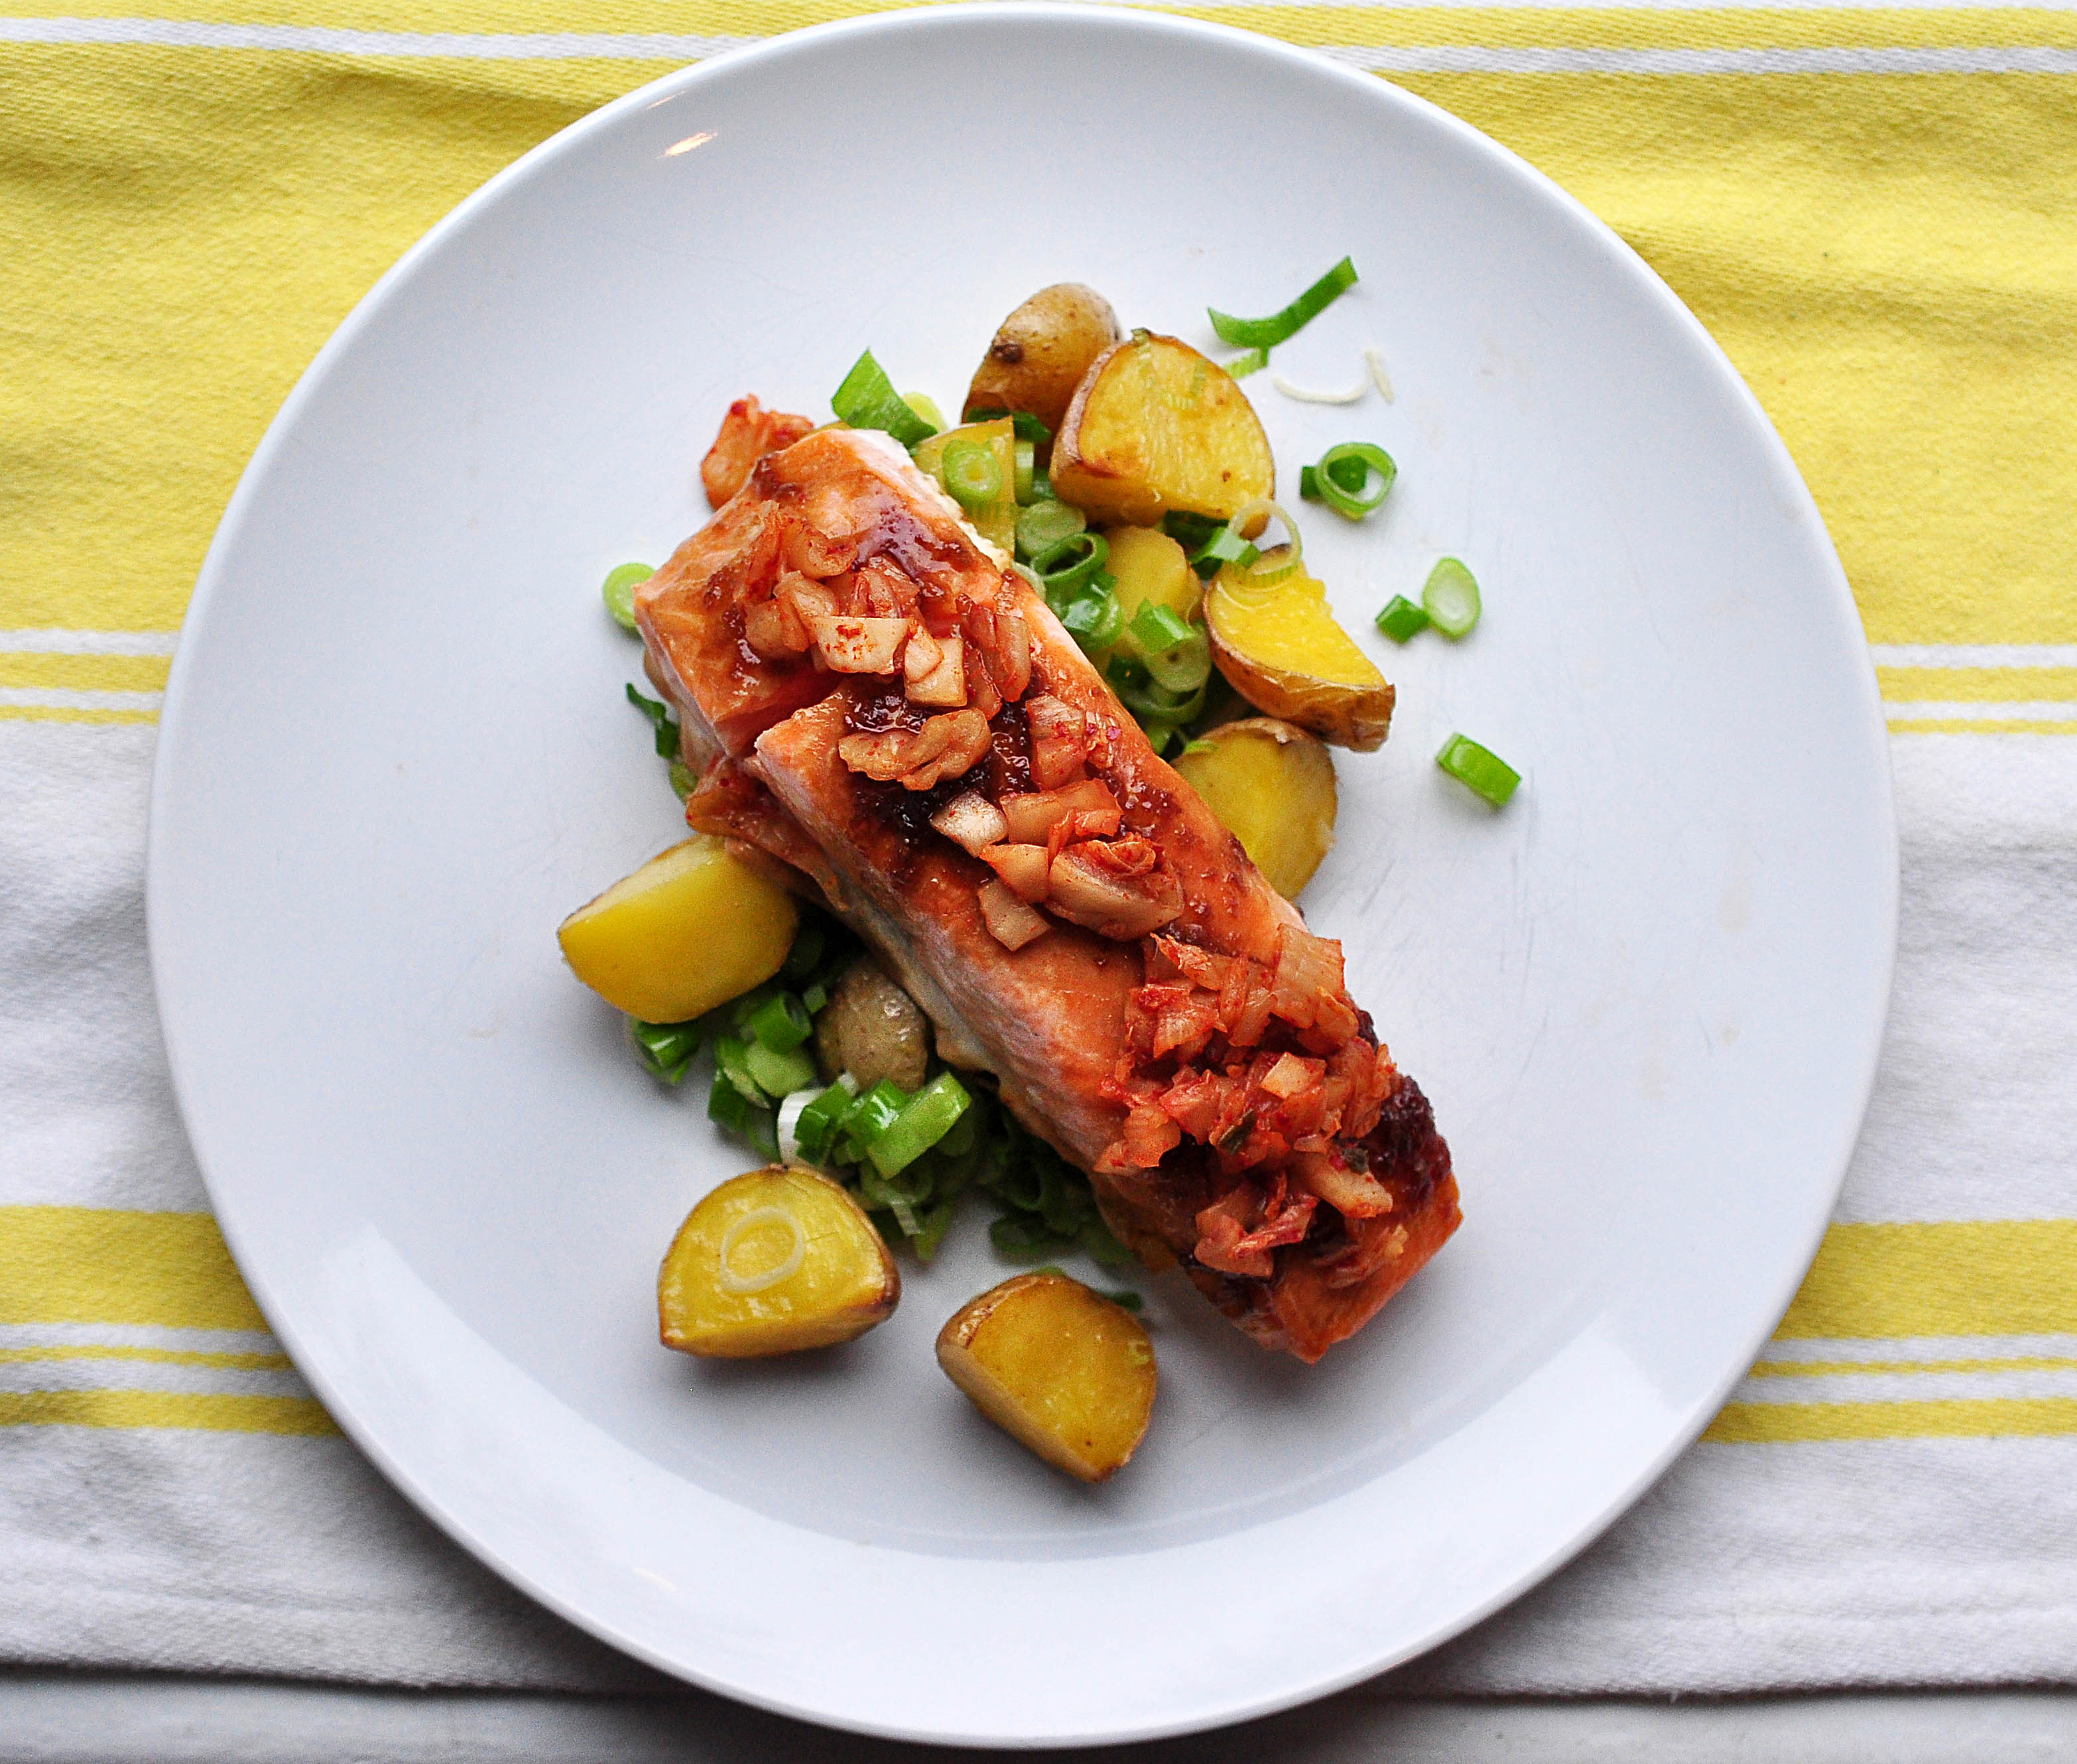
1981, 1277
97, 1265
165, 1409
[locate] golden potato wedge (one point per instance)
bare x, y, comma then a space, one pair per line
1156, 426
1061, 1369
772, 1262
1150, 566
1042, 350
1279, 645
996, 521
1273, 787
690, 930
873, 1030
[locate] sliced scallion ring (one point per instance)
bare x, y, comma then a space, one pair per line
1450, 598
1067, 564
619, 591
1374, 472
1267, 333
1042, 525
1028, 468
1242, 366
1270, 565
972, 475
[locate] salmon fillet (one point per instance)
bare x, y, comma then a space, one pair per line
899, 728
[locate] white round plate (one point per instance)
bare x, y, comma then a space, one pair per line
1646, 999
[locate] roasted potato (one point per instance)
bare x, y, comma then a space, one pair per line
1042, 350
1150, 566
1156, 426
690, 930
873, 1030
1279, 645
771, 1262
1273, 787
1061, 1369
996, 521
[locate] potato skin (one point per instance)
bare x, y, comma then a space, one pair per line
1281, 650
1064, 1371
873, 1030
1273, 787
1040, 352
1156, 427
694, 927
845, 1281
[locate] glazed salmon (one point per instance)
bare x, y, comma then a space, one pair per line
901, 726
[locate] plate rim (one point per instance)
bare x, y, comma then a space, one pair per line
981, 15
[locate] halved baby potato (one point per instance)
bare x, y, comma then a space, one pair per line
1279, 645
772, 1262
1156, 427
1042, 350
1061, 1369
1273, 787
690, 930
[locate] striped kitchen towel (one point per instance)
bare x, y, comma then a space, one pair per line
1873, 208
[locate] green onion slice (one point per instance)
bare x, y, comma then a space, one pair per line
1267, 333
781, 1023
1451, 597
1267, 566
1071, 563
867, 400
1242, 366
926, 407
1401, 619
1357, 460
1479, 768
1027, 469
1042, 525
1176, 654
660, 720
1093, 616
872, 1114
667, 1049
924, 1119
619, 591
971, 475
778, 1074
684, 780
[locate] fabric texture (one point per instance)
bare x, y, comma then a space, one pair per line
1873, 210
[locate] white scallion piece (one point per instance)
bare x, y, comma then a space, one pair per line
732, 1282
1319, 395
1374, 358
789, 1120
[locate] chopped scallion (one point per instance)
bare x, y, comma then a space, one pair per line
873, 1114
1343, 479
683, 779
816, 996
1401, 619
1451, 598
810, 943
776, 1073
732, 1070
660, 720
926, 407
781, 1023
1267, 333
1027, 468
1155, 627
816, 1128
1253, 362
1042, 525
619, 591
924, 1119
667, 1049
866, 400
1069, 564
971, 475
1479, 768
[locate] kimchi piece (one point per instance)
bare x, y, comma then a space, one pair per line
895, 723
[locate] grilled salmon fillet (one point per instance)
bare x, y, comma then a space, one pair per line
899, 727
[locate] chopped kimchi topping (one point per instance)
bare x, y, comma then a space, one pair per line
1033, 815
944, 747
1024, 868
934, 669
1060, 741
1010, 921
858, 646
748, 432
1115, 888
970, 822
